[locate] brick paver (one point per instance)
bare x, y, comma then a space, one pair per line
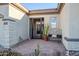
49, 47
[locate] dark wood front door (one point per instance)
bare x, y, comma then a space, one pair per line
36, 28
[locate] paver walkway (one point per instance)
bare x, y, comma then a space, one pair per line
51, 48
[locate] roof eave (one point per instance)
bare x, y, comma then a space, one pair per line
44, 11
49, 11
60, 7
18, 5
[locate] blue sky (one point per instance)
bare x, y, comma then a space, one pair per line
34, 6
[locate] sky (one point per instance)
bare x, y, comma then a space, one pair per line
35, 6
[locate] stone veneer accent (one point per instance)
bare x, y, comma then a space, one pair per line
71, 52
72, 39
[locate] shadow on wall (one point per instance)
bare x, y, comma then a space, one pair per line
18, 29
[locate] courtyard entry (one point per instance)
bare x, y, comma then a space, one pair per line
36, 27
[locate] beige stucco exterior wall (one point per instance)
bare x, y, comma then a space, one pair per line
4, 34
19, 30
74, 20
4, 29
69, 23
64, 19
74, 28
4, 10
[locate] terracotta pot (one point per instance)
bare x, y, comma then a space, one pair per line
45, 38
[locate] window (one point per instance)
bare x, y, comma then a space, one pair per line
52, 22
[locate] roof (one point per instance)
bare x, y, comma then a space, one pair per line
40, 11
18, 5
43, 11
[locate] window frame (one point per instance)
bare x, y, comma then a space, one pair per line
51, 22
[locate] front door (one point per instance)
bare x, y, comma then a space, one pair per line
36, 27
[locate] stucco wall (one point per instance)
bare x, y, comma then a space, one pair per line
18, 30
4, 34
69, 24
74, 28
64, 19
4, 10
74, 20
4, 29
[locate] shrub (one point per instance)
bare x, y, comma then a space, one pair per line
9, 53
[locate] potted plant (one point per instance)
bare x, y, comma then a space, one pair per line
45, 33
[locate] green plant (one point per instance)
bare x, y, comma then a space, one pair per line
37, 51
9, 53
45, 31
